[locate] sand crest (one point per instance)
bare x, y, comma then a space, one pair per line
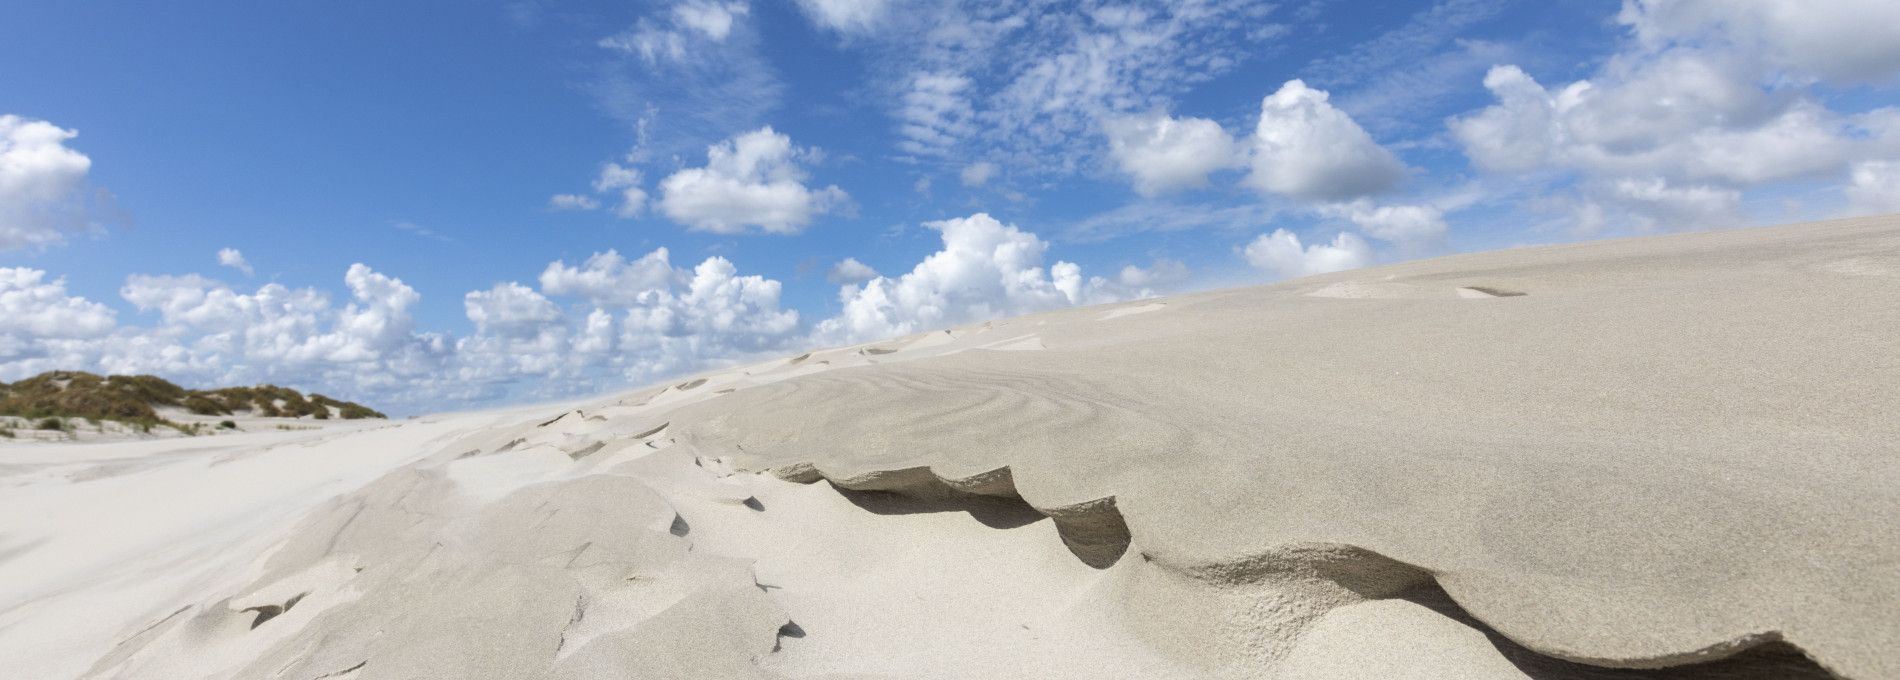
1666, 457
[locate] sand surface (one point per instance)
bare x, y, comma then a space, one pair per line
1668, 457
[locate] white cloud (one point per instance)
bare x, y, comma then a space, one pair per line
1305, 148
1838, 40
668, 321
1519, 132
1660, 204
936, 112
1027, 85
1412, 225
605, 323
850, 270
230, 257
509, 310
986, 269
660, 321
1135, 282
1875, 187
419, 230
672, 40
685, 76
847, 16
712, 19
210, 333
1162, 153
573, 202
625, 181
977, 174
1406, 45
1281, 254
1680, 116
752, 180
1708, 102
619, 183
609, 280
32, 308
1166, 216
42, 184
1399, 79
1163, 272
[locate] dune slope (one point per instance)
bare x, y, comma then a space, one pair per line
1661, 457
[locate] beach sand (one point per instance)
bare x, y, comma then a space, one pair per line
1663, 457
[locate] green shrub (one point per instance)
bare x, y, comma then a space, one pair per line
205, 406
227, 425
51, 424
134, 399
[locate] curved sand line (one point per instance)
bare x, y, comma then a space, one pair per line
1097, 534
1093, 530
1672, 448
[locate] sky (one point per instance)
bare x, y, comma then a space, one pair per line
444, 205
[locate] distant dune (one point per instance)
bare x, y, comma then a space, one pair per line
76, 405
1664, 457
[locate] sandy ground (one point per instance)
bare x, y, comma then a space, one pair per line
1670, 457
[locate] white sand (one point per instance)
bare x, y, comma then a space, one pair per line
1674, 454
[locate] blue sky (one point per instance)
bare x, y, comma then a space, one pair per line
971, 160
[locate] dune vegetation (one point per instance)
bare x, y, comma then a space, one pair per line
136, 400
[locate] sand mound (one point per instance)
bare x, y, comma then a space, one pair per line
1656, 458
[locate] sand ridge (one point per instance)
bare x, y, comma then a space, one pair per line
1659, 458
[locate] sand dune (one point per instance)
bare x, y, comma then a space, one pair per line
1667, 457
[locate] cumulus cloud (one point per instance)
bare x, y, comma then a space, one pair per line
624, 183
230, 257
1680, 116
1707, 102
977, 174
620, 184
1305, 148
986, 269
1281, 254
846, 16
510, 310
1839, 40
209, 332
32, 307
633, 322
1409, 225
42, 184
850, 270
752, 180
1162, 153
605, 322
639, 320
609, 280
1134, 282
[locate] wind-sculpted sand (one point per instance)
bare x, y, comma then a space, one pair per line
1669, 457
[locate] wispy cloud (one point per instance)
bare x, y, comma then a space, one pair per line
418, 230
687, 76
